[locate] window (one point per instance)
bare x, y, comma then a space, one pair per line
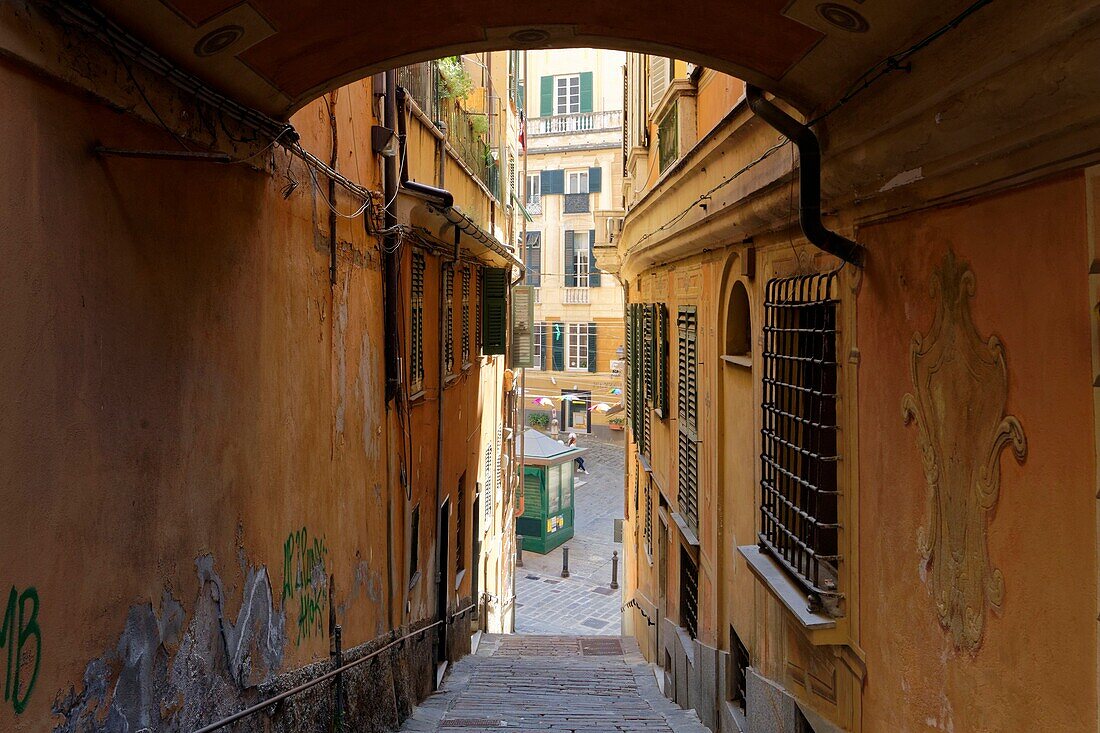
739, 662
534, 189
553, 489
540, 338
689, 593
414, 543
648, 533
649, 350
567, 94
465, 316
738, 325
534, 259
660, 361
577, 346
494, 310
668, 139
576, 182
799, 447
566, 484
460, 530
448, 318
687, 395
416, 341
660, 74
577, 259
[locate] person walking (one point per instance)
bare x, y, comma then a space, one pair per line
579, 460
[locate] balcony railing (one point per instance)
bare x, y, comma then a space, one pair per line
582, 122
574, 296
534, 208
576, 203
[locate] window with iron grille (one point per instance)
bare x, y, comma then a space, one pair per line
448, 318
649, 515
460, 528
660, 361
687, 404
416, 340
649, 352
689, 592
465, 315
414, 542
739, 662
799, 447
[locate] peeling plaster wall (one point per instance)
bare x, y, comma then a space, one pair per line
199, 473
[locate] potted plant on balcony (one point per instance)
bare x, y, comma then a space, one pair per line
617, 423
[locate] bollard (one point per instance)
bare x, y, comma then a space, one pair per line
338, 708
615, 570
519, 551
565, 562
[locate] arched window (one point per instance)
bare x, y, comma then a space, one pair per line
738, 322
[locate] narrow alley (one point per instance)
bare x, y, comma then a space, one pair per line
552, 683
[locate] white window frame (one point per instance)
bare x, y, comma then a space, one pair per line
581, 263
576, 181
576, 347
533, 193
540, 334
567, 94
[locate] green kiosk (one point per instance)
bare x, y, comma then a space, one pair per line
547, 519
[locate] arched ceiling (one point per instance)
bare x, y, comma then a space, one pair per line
277, 55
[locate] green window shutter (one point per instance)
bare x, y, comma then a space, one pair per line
557, 347
534, 259
586, 91
494, 311
592, 348
546, 103
532, 492
521, 96
593, 273
661, 404
595, 180
551, 182
545, 336
570, 261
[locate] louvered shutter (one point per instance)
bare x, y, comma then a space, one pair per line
595, 180
570, 261
551, 182
494, 311
546, 99
557, 346
593, 271
628, 372
545, 336
660, 404
592, 353
658, 79
687, 398
534, 259
586, 91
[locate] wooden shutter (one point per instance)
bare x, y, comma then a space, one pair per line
687, 394
494, 311
557, 346
592, 347
586, 91
660, 404
595, 180
570, 263
629, 371
551, 182
545, 336
659, 67
593, 272
546, 101
534, 259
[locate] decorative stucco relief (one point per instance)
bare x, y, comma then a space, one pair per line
960, 386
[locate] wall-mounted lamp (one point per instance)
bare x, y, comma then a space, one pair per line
383, 141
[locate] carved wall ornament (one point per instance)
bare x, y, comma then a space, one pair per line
960, 386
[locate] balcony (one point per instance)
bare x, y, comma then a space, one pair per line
574, 296
576, 203
576, 123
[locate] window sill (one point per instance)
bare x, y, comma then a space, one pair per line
741, 360
418, 396
458, 578
685, 531
644, 463
467, 366
449, 380
789, 593
414, 580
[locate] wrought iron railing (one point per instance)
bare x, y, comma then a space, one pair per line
580, 122
577, 203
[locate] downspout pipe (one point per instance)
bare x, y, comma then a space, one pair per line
809, 179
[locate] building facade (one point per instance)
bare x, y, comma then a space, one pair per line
848, 481
572, 193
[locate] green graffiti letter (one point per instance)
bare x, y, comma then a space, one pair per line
26, 630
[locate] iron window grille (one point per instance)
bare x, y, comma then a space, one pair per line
416, 345
739, 665
465, 315
414, 542
460, 527
689, 593
448, 318
799, 450
687, 405
576, 203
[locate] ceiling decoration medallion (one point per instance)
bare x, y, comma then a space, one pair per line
530, 36
218, 40
960, 386
843, 17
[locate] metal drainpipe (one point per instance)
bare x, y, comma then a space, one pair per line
809, 179
390, 185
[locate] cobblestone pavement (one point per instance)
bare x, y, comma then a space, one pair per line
552, 683
583, 603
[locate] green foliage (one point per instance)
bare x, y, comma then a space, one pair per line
616, 421
479, 123
538, 419
455, 80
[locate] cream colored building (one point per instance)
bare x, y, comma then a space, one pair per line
573, 192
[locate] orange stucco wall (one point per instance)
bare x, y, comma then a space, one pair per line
1036, 667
